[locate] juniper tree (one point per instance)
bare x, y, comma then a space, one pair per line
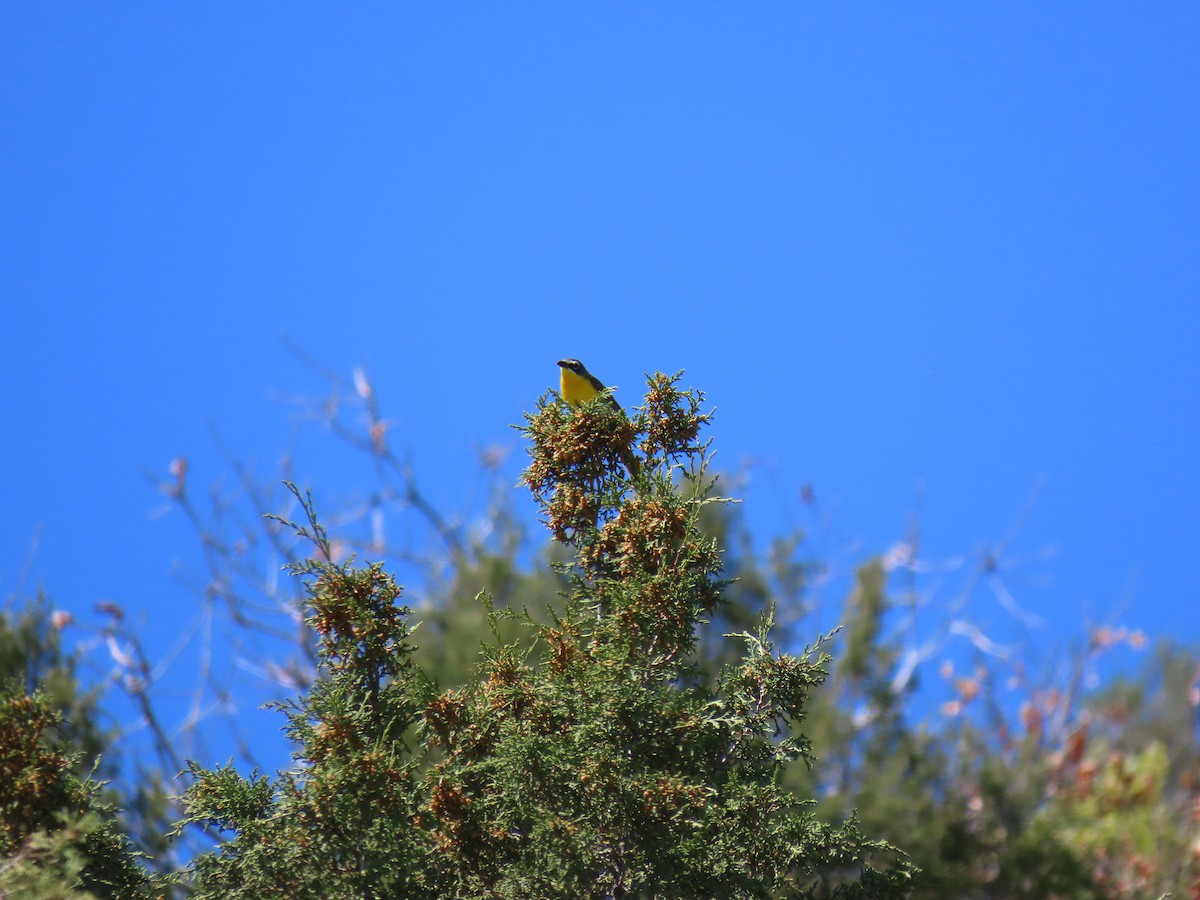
599, 760
58, 838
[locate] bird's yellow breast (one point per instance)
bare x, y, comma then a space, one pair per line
575, 390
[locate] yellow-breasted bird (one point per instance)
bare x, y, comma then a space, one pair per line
577, 386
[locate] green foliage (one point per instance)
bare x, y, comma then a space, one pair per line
1125, 790
341, 822
32, 654
597, 759
455, 623
1072, 800
56, 838
612, 714
865, 610
1113, 813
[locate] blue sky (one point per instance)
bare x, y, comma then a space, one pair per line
919, 257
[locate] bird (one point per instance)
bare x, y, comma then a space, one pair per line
577, 386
